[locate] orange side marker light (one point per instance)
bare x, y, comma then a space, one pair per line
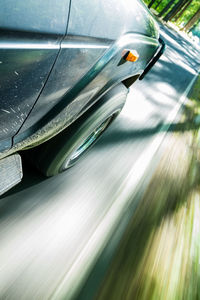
130, 55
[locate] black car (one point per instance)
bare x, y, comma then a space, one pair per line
65, 69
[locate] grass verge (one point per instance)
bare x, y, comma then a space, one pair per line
159, 255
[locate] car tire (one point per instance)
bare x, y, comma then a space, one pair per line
65, 149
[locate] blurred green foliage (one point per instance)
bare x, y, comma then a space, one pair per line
159, 255
185, 17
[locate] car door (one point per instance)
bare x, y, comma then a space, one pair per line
30, 35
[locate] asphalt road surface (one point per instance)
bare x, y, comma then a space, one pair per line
52, 231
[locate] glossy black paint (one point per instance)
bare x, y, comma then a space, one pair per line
48, 80
30, 36
23, 73
36, 16
104, 74
110, 19
70, 67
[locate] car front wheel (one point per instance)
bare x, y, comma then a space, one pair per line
65, 149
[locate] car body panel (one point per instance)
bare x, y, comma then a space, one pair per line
46, 17
89, 35
75, 51
87, 66
110, 19
106, 73
30, 36
25, 63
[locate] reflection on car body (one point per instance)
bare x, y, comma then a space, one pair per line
61, 76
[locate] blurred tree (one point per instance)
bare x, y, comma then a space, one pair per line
151, 3
188, 13
157, 4
179, 13
177, 7
192, 21
166, 8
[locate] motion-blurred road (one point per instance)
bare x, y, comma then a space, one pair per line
53, 230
